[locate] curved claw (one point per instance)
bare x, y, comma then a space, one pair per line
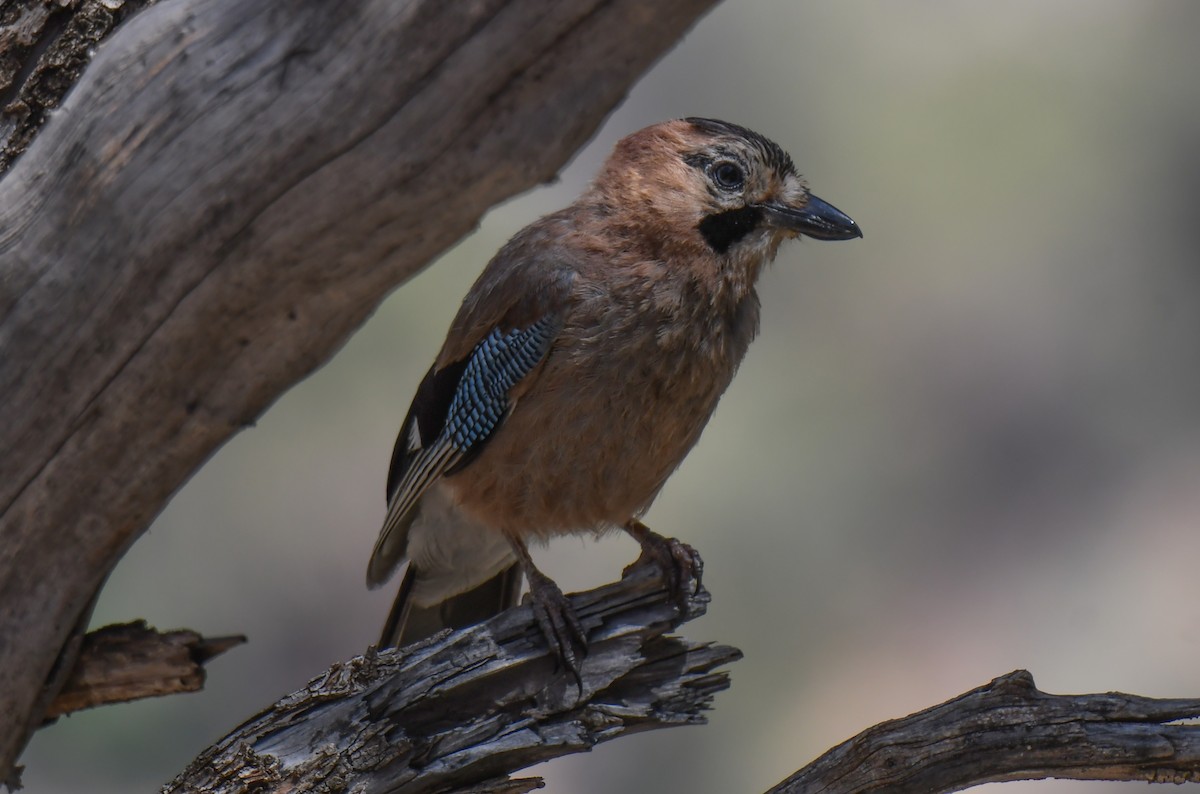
559, 624
678, 561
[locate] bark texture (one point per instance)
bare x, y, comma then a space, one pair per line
460, 711
131, 661
1010, 730
229, 190
44, 47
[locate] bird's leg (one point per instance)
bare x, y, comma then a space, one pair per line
555, 616
678, 561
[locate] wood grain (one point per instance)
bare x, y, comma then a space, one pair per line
1010, 730
131, 661
228, 192
459, 712
44, 47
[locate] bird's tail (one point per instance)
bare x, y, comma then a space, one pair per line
407, 622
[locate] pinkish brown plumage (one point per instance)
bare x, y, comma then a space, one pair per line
582, 367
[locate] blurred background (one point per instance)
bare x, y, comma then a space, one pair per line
966, 444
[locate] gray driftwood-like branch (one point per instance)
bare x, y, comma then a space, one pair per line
1010, 730
131, 661
460, 711
229, 190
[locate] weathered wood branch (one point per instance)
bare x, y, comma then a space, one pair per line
1010, 730
131, 661
461, 711
44, 47
230, 190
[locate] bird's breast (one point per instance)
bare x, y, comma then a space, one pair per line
624, 394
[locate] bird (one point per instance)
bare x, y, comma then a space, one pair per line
581, 368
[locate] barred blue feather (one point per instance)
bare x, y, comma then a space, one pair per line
439, 440
496, 365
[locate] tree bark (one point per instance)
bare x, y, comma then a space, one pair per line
460, 711
1009, 730
131, 661
44, 47
227, 193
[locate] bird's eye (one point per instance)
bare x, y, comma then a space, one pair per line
728, 175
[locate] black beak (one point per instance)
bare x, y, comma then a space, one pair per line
817, 219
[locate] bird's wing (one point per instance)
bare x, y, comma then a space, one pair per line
456, 409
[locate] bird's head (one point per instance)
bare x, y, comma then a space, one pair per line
718, 188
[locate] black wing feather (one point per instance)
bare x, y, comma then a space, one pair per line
429, 408
455, 413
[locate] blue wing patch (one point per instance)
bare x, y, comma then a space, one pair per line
495, 366
478, 405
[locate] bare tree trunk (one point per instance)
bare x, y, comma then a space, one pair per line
228, 192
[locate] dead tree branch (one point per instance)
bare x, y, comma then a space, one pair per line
226, 194
1010, 730
131, 661
461, 711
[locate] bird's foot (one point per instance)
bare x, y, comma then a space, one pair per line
558, 622
680, 564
